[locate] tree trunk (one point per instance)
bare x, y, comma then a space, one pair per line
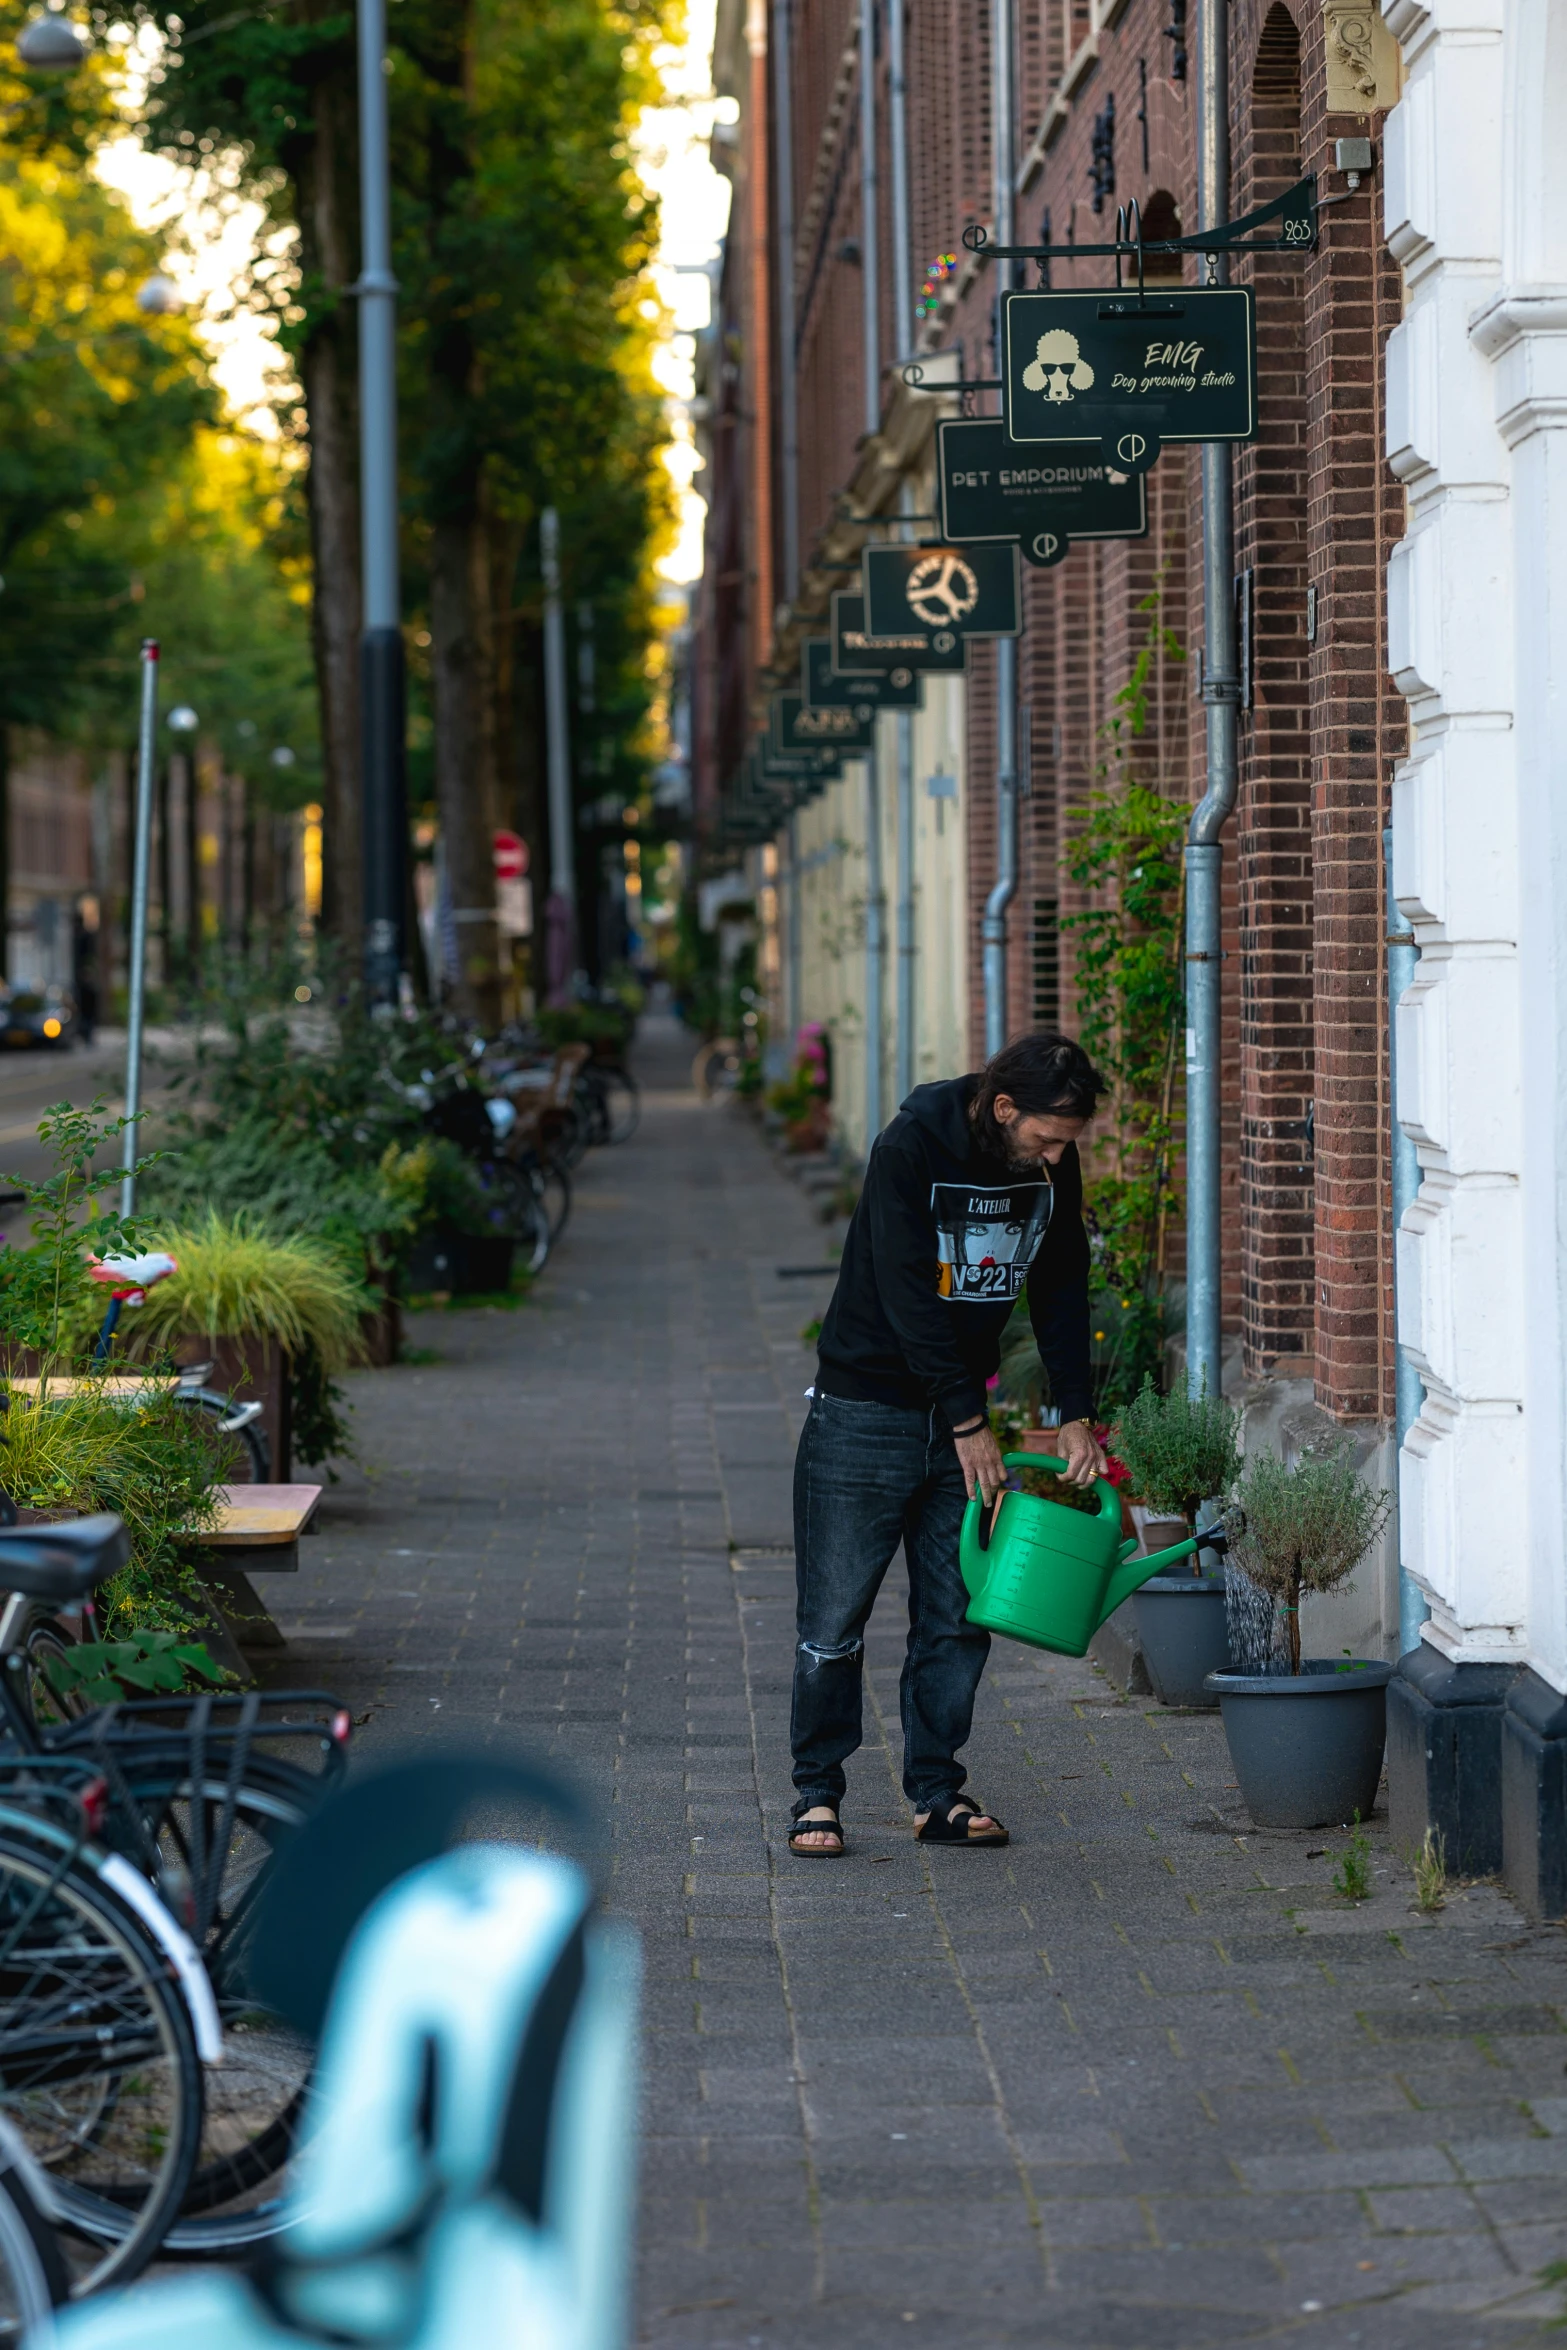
328, 235
462, 668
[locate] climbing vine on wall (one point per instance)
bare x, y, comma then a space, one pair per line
1127, 855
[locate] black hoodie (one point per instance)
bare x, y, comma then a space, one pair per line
938, 1251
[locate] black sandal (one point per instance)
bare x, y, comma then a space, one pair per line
804, 1827
946, 1824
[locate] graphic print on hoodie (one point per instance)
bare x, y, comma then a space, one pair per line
943, 1242
986, 1240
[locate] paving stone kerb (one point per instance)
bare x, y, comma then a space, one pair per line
1142, 2079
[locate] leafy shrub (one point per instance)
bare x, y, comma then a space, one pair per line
1304, 1528
1180, 1449
146, 1662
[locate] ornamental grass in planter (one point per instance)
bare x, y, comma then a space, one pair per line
280, 1315
1180, 1451
1306, 1735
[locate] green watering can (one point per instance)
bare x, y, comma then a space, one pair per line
1041, 1572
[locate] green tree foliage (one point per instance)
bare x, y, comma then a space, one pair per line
1127, 853
521, 237
97, 404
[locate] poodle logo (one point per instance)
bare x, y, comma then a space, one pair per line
1056, 360
941, 590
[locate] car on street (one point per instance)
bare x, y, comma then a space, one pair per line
34, 1019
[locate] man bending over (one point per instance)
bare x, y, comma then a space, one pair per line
971, 1195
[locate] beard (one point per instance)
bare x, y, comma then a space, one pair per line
1016, 1156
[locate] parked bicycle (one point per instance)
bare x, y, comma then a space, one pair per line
468, 2172
135, 1839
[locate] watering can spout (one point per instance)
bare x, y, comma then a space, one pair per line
1133, 1573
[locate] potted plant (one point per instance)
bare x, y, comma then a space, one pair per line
1305, 1734
278, 1314
1180, 1450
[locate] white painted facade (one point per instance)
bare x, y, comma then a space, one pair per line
1475, 189
830, 897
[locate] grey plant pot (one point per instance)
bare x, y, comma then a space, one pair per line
1181, 1626
1307, 1748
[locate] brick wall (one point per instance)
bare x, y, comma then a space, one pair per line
1307, 1268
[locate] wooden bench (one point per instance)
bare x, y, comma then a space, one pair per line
257, 1532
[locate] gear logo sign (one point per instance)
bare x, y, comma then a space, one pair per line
942, 590
1058, 368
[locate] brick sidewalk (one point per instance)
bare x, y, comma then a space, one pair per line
1143, 2079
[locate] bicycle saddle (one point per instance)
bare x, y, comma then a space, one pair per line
63, 1563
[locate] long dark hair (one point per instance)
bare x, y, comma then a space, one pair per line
1045, 1075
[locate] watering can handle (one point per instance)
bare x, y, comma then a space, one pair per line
1109, 1499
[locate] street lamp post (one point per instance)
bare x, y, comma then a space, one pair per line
146, 749
381, 685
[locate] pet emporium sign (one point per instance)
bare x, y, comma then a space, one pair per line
1042, 500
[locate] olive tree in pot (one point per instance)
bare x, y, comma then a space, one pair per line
1305, 1734
1181, 1450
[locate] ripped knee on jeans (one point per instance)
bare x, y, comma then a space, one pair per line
830, 1652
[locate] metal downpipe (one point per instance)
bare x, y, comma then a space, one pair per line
1005, 888
1409, 1388
1221, 695
870, 291
903, 724
788, 395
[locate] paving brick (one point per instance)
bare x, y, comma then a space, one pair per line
1158, 2108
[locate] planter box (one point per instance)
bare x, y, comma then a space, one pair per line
462, 1263
1182, 1631
1307, 1747
250, 1370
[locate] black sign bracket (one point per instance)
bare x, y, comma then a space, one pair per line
1295, 212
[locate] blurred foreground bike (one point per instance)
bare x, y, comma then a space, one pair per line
467, 2174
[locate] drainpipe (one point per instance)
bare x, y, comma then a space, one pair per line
1408, 1390
870, 287
788, 432
759, 354
792, 1012
1001, 896
903, 340
783, 197
1220, 694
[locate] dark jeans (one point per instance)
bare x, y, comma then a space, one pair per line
867, 1476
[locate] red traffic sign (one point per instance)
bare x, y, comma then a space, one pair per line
511, 856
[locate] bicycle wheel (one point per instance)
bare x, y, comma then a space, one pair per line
717, 1067
249, 1459
98, 2067
255, 2098
622, 1103
48, 1641
551, 1186
32, 2271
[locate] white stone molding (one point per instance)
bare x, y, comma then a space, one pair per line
1455, 830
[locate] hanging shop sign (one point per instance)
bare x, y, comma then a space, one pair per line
822, 688
795, 726
952, 592
795, 772
1108, 370
907, 653
1043, 500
